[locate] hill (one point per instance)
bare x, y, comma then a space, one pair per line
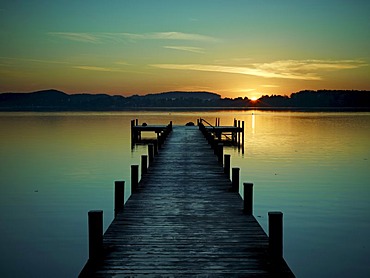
54, 100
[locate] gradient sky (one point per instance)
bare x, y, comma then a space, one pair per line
231, 47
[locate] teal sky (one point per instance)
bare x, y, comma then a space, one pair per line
235, 48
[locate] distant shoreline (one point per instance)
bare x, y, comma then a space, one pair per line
192, 109
57, 101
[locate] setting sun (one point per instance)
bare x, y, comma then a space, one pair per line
254, 98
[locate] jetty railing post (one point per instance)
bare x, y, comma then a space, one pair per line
134, 177
227, 158
220, 153
155, 145
248, 198
276, 235
133, 132
239, 133
119, 196
234, 133
243, 136
235, 179
95, 219
151, 153
144, 165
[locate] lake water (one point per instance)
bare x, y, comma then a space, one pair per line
55, 167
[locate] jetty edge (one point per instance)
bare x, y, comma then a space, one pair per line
185, 217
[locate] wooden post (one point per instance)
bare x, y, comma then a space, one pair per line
134, 177
155, 145
235, 179
276, 235
95, 219
144, 165
234, 133
133, 137
227, 158
119, 196
151, 153
220, 153
137, 121
239, 134
243, 136
248, 198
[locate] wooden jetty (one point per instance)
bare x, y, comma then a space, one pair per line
161, 131
185, 218
233, 135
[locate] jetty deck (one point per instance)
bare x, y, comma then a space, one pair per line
183, 220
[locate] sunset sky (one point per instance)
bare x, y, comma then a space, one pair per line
231, 47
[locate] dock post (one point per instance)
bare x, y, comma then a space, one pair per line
119, 196
137, 121
227, 158
155, 145
151, 153
133, 131
95, 219
234, 133
235, 179
243, 136
248, 198
134, 177
238, 134
276, 235
220, 153
144, 165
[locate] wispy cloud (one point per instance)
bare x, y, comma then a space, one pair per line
123, 63
117, 37
288, 69
186, 48
93, 68
33, 60
79, 37
270, 86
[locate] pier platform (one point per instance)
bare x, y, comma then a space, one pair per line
183, 220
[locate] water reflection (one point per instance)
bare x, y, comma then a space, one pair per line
253, 122
56, 167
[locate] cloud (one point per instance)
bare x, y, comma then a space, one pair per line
118, 37
79, 37
270, 86
237, 70
186, 48
93, 68
33, 60
310, 65
287, 69
124, 63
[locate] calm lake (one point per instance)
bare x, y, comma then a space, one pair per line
55, 167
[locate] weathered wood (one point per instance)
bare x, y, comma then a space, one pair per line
144, 165
151, 154
134, 177
95, 219
227, 165
119, 196
276, 234
220, 153
248, 198
235, 172
185, 222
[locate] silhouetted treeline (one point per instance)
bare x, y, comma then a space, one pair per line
322, 98
52, 100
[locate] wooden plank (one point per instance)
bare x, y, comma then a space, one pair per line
184, 221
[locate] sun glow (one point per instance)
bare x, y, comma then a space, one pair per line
254, 98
